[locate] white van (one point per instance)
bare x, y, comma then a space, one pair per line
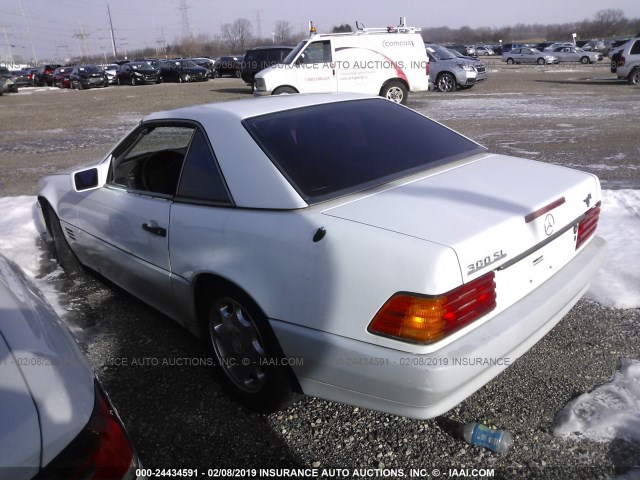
389, 62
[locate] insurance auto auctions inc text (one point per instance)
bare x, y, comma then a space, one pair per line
373, 473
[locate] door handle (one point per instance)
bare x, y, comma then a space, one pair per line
161, 232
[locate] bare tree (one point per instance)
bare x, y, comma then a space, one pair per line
282, 32
609, 21
237, 35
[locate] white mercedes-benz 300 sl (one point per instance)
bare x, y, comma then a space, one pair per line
335, 245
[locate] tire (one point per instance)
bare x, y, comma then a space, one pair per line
541, 61
247, 352
118, 81
634, 77
395, 91
510, 61
216, 74
446, 83
66, 258
585, 60
284, 89
80, 87
237, 73
133, 81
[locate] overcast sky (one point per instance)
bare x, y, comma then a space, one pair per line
55, 24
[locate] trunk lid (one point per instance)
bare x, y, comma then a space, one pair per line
490, 211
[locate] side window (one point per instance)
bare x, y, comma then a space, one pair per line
153, 161
317, 52
201, 178
635, 49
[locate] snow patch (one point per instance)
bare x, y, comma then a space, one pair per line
609, 411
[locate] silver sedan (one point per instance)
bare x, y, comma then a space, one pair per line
575, 54
528, 55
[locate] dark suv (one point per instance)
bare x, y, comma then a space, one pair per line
259, 58
44, 75
229, 65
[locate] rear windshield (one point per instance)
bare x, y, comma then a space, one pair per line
329, 150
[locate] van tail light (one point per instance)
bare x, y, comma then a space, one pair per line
101, 451
427, 319
587, 225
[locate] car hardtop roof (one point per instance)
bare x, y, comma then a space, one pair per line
251, 107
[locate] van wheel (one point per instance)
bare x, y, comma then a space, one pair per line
395, 91
634, 77
446, 83
281, 90
247, 352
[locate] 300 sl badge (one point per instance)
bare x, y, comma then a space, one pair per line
485, 262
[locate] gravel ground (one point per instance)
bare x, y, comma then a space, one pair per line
175, 409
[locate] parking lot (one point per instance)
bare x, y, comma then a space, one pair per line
158, 375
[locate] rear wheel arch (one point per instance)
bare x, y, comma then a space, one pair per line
282, 387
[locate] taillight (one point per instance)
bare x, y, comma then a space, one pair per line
588, 225
101, 451
424, 320
621, 61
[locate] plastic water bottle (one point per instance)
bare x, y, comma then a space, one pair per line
483, 436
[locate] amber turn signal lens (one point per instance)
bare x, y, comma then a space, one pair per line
421, 319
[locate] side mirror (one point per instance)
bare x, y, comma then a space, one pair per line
85, 179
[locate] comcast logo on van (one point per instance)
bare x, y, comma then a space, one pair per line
399, 43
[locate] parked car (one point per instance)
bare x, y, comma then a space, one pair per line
182, 70
542, 45
507, 47
259, 58
230, 65
23, 78
628, 61
484, 51
44, 76
57, 421
555, 45
448, 72
205, 63
137, 73
61, 77
334, 245
575, 54
9, 85
88, 76
528, 55
111, 69
465, 50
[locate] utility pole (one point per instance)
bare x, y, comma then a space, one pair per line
113, 39
6, 42
258, 24
186, 27
26, 25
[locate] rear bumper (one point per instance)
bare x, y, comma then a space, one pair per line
424, 386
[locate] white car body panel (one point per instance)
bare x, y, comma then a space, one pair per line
416, 234
59, 379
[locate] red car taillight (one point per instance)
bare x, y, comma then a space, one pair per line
101, 451
588, 225
426, 320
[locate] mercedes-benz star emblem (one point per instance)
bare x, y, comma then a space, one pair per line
548, 224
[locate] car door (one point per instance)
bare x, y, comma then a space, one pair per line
127, 220
315, 70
